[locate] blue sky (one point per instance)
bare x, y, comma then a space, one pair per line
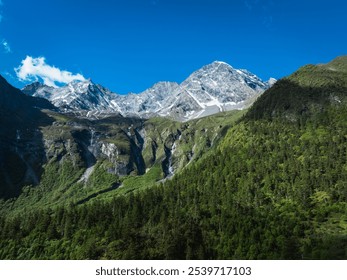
128, 45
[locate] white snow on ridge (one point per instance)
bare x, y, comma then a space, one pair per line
214, 88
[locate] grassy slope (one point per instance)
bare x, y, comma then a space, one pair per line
304, 93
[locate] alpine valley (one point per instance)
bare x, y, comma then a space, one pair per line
221, 166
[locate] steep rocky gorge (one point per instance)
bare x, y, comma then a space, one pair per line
73, 154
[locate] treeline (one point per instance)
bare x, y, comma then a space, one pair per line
274, 189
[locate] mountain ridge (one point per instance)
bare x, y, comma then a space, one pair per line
273, 187
305, 93
214, 88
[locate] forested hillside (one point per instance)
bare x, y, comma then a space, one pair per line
273, 188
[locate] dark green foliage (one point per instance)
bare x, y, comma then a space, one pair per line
304, 94
67, 155
274, 188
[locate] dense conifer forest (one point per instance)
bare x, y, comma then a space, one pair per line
275, 187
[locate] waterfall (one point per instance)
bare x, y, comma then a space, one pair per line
17, 135
89, 157
170, 168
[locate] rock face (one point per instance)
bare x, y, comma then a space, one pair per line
84, 97
40, 146
148, 103
21, 142
123, 146
40, 142
214, 88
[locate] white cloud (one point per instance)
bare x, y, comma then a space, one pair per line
6, 46
31, 69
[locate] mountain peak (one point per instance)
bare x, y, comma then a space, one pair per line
271, 81
13, 100
33, 86
5, 87
2, 78
214, 88
84, 82
81, 86
338, 64
219, 62
306, 93
219, 65
38, 89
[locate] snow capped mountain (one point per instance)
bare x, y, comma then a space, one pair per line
214, 88
84, 97
149, 102
271, 81
38, 90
